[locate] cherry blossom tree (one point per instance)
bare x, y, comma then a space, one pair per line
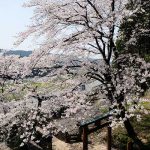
12, 68
87, 30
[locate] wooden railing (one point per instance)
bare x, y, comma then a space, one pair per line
93, 125
85, 128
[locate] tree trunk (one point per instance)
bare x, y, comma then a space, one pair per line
133, 135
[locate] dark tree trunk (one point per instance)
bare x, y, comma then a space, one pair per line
130, 130
133, 135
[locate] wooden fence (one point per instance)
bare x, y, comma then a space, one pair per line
85, 128
93, 125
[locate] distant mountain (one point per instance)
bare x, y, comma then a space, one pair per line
21, 53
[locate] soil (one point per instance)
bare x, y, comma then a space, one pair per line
4, 147
96, 142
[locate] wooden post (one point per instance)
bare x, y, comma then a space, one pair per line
108, 138
85, 138
50, 147
98, 123
67, 137
129, 145
46, 143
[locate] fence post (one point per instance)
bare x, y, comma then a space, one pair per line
67, 138
50, 146
97, 123
108, 138
129, 145
85, 138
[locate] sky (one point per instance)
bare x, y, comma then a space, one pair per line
14, 19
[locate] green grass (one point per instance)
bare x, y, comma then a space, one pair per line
146, 105
50, 85
104, 110
14, 96
42, 88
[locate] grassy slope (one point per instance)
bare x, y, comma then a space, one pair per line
42, 88
142, 128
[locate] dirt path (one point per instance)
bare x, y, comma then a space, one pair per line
4, 147
60, 145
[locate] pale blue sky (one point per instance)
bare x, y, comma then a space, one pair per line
13, 19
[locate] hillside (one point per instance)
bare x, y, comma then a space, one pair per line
21, 53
